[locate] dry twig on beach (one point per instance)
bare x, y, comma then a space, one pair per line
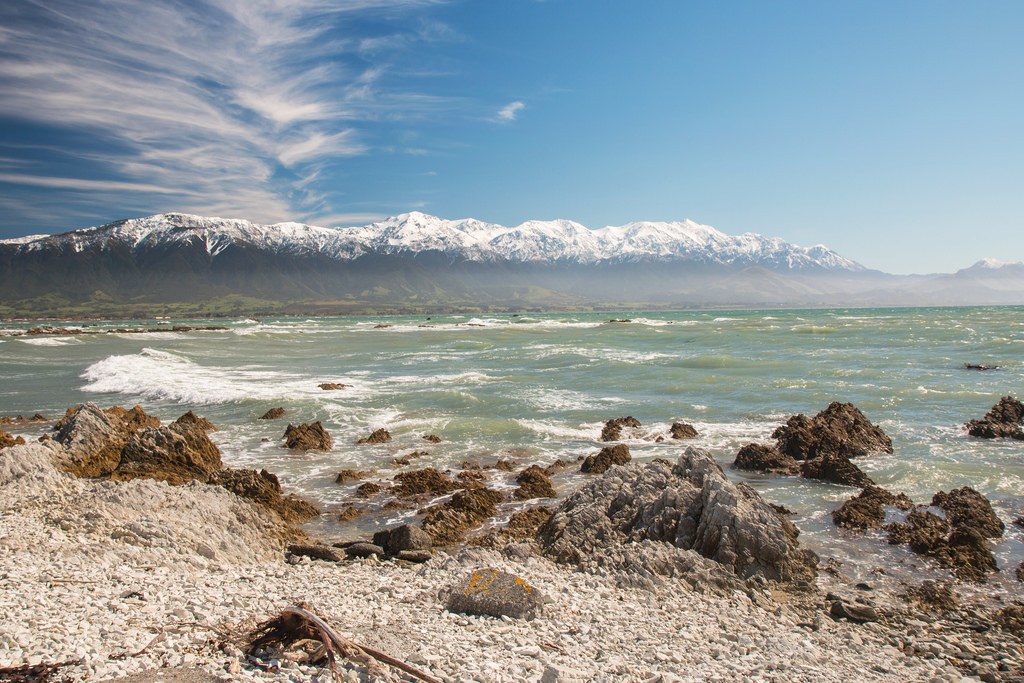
296, 626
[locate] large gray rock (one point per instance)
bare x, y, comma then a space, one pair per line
691, 505
92, 441
404, 537
495, 593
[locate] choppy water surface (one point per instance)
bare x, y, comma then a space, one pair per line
538, 387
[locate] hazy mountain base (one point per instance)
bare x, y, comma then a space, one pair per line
187, 281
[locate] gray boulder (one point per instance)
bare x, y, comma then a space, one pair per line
495, 593
405, 537
92, 441
691, 505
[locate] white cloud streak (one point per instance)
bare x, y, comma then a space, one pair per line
233, 105
510, 111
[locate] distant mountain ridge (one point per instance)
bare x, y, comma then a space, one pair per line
179, 264
538, 242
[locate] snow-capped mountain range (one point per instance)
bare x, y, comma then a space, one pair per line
533, 242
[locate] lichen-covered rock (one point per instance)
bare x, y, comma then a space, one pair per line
1004, 420
307, 437
612, 430
867, 510
264, 488
607, 457
534, 483
690, 505
840, 430
682, 430
447, 522
377, 436
178, 453
495, 593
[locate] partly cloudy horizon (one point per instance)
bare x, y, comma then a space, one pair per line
889, 134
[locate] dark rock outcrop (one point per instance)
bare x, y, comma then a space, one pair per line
607, 457
273, 414
534, 483
264, 488
867, 510
419, 482
333, 386
191, 418
135, 418
839, 430
377, 436
314, 551
307, 437
178, 453
495, 593
682, 430
836, 469
613, 428
432, 438
447, 522
405, 537
345, 476
757, 457
690, 505
1004, 420
959, 541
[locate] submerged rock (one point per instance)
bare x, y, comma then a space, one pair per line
307, 437
690, 505
432, 438
425, 481
273, 414
606, 458
1004, 420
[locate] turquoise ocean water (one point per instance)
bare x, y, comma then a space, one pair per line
537, 388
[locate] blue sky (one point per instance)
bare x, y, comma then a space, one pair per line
893, 132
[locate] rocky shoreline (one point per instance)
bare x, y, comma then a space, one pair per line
125, 546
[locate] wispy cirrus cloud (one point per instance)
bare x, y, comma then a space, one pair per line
232, 106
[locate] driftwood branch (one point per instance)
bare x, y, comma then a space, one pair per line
297, 623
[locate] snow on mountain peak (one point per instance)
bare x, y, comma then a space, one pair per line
534, 241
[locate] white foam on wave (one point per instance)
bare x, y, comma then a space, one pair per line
547, 428
162, 375
49, 341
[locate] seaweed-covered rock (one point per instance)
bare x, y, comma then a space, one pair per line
756, 457
607, 457
965, 507
9, 440
447, 522
377, 436
867, 510
178, 453
835, 468
613, 428
307, 437
682, 430
200, 422
1004, 420
425, 481
264, 488
690, 505
840, 430
534, 483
